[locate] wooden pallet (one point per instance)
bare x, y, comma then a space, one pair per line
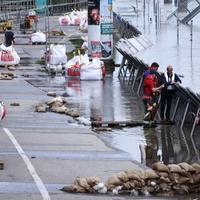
121, 124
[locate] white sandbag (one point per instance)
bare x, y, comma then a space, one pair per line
57, 54
64, 20
8, 56
92, 71
83, 25
78, 60
38, 37
76, 20
74, 65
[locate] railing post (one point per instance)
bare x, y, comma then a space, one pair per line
185, 113
121, 67
195, 122
175, 108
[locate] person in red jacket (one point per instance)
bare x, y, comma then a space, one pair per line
150, 95
154, 67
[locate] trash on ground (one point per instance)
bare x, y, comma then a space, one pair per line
1, 165
14, 104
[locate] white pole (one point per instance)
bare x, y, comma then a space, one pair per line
173, 3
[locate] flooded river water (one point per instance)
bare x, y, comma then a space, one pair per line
108, 100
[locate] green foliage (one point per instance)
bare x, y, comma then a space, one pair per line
77, 43
40, 62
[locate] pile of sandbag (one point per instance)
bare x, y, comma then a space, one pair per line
73, 18
86, 185
57, 105
7, 76
80, 66
74, 65
169, 179
8, 56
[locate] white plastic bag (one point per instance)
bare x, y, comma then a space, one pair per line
64, 20
8, 56
57, 54
92, 71
38, 37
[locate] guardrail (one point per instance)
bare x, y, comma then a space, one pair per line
126, 29
67, 7
186, 103
53, 9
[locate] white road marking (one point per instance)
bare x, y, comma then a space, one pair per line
36, 178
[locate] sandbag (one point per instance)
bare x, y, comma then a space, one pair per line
57, 54
159, 166
114, 180
163, 174
8, 56
64, 20
83, 25
82, 182
196, 166
129, 185
196, 178
74, 71
92, 71
74, 65
150, 174
186, 167
38, 37
175, 168
134, 174
93, 180
123, 176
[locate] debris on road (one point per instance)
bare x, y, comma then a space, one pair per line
1, 165
7, 76
58, 105
14, 104
52, 94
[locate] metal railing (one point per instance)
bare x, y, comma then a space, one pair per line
123, 27
186, 103
9, 9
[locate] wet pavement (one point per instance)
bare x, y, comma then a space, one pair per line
54, 141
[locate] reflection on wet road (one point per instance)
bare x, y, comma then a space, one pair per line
109, 101
169, 144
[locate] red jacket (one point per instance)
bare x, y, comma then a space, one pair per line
149, 83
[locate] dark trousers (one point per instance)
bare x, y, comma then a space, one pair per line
166, 101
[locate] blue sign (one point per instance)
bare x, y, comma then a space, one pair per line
40, 5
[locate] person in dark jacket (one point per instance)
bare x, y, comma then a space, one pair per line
169, 79
9, 37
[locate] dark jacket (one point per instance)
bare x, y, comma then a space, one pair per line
170, 87
9, 38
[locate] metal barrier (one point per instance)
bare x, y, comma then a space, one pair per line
13, 8
126, 29
185, 105
67, 7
